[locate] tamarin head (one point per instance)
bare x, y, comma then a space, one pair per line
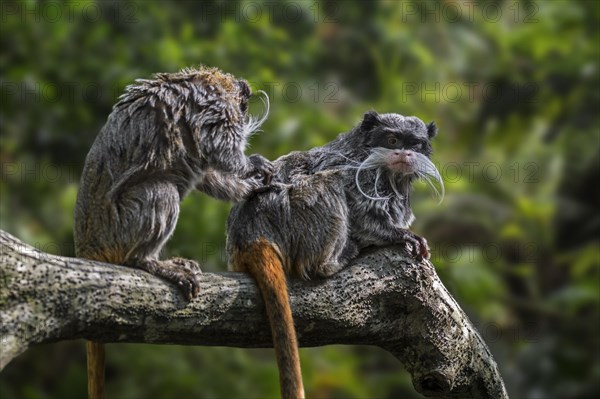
397, 132
398, 149
216, 99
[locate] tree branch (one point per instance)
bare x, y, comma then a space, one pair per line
382, 299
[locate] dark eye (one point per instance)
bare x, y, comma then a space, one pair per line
392, 141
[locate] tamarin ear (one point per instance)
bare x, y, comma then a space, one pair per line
432, 129
370, 120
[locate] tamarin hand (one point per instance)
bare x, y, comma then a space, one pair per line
261, 168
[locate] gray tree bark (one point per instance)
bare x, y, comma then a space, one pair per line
382, 299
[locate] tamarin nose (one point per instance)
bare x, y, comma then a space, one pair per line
404, 154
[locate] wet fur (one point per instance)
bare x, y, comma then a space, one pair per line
165, 137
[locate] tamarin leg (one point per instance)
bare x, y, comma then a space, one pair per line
150, 211
340, 261
141, 218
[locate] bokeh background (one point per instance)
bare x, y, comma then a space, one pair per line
513, 86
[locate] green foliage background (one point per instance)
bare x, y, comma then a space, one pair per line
513, 86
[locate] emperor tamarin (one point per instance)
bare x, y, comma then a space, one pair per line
323, 207
164, 137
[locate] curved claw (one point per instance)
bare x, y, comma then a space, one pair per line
423, 248
186, 276
418, 247
190, 288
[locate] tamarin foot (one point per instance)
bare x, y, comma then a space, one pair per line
417, 245
180, 271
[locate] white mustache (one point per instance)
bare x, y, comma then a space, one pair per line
424, 170
254, 123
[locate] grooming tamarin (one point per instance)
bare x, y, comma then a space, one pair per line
164, 137
323, 207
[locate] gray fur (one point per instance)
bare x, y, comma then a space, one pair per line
286, 216
165, 137
329, 202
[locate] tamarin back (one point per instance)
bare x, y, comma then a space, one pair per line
323, 207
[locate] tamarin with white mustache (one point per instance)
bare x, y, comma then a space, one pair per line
323, 207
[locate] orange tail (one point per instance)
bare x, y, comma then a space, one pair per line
263, 263
95, 351
95, 366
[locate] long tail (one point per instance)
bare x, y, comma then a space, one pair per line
263, 263
95, 351
95, 369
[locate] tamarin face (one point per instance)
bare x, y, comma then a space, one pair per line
398, 147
